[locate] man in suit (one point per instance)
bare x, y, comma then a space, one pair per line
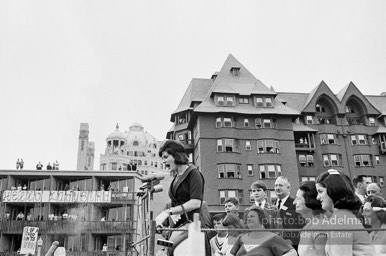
287, 211
259, 193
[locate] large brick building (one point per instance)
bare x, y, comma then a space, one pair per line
238, 131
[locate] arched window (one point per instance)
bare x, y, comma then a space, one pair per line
135, 143
145, 162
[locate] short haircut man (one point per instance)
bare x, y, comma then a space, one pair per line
217, 241
231, 205
360, 183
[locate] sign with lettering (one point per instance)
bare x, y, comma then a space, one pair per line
31, 196
29, 239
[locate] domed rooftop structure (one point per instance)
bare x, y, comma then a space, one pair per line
116, 134
138, 137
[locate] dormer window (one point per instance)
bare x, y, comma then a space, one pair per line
220, 100
235, 71
371, 121
259, 102
228, 101
264, 102
268, 102
320, 108
243, 100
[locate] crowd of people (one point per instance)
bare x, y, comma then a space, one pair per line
328, 216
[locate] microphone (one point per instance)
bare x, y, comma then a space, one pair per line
52, 249
155, 189
153, 177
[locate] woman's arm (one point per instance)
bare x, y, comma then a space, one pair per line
190, 205
320, 244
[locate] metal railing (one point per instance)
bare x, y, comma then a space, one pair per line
68, 226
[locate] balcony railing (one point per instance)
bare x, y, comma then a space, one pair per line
68, 226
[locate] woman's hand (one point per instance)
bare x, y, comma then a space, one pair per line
161, 218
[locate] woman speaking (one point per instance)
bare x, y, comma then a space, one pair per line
187, 188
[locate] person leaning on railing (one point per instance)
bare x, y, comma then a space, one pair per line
312, 243
374, 211
337, 195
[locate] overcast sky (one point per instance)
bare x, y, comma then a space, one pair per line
106, 62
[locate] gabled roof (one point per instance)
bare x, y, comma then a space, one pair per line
321, 89
196, 92
351, 90
293, 100
379, 102
244, 84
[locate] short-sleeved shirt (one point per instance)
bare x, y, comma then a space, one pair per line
273, 246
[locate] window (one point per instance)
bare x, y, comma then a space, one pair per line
246, 122
310, 160
258, 122
349, 109
381, 180
377, 160
227, 122
228, 145
268, 146
267, 123
259, 102
248, 146
231, 193
362, 160
362, 139
354, 140
309, 120
235, 71
135, 143
220, 100
306, 160
218, 122
269, 171
308, 178
219, 146
332, 160
320, 108
268, 102
229, 101
262, 102
371, 121
243, 100
250, 169
328, 139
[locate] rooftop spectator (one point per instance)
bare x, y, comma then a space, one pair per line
39, 166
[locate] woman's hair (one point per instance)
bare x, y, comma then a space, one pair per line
310, 194
262, 215
377, 201
176, 149
340, 190
232, 220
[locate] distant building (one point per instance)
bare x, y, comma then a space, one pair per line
86, 150
135, 150
237, 131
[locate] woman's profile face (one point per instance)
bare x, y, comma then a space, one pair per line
253, 220
300, 203
169, 161
368, 213
325, 200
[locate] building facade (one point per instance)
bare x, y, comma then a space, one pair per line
237, 131
71, 207
135, 150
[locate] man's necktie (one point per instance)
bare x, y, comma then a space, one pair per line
279, 204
